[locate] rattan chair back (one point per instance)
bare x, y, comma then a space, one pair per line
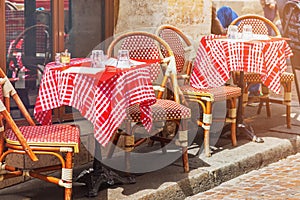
146, 46
182, 48
259, 24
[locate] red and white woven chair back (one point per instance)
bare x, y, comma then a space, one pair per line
145, 46
258, 26
177, 46
142, 47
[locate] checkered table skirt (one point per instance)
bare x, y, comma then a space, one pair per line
104, 103
217, 57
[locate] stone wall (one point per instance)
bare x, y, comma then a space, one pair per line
241, 7
192, 16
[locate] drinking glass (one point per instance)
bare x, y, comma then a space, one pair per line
65, 58
247, 32
98, 58
123, 59
232, 32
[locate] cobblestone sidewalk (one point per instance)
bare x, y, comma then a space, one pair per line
280, 180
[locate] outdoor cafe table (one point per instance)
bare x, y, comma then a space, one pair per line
217, 56
101, 98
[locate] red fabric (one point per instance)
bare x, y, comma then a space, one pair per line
101, 99
217, 57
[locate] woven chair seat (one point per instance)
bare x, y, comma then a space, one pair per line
252, 77
287, 76
256, 78
162, 110
217, 94
51, 135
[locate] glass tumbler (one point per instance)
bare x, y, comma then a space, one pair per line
232, 32
98, 58
247, 32
123, 59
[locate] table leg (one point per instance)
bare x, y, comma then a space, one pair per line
99, 175
242, 127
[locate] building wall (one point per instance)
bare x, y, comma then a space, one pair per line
241, 7
192, 16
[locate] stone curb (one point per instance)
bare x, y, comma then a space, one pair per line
226, 165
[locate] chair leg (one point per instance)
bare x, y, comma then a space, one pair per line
265, 100
185, 159
127, 161
287, 101
112, 146
245, 99
183, 142
268, 108
206, 104
288, 116
233, 134
261, 103
232, 117
266, 92
206, 143
129, 146
69, 166
207, 119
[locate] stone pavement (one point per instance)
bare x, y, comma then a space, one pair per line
280, 180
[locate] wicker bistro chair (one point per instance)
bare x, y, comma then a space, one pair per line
145, 46
185, 55
260, 25
34, 141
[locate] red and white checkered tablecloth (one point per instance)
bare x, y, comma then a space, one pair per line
217, 57
100, 99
